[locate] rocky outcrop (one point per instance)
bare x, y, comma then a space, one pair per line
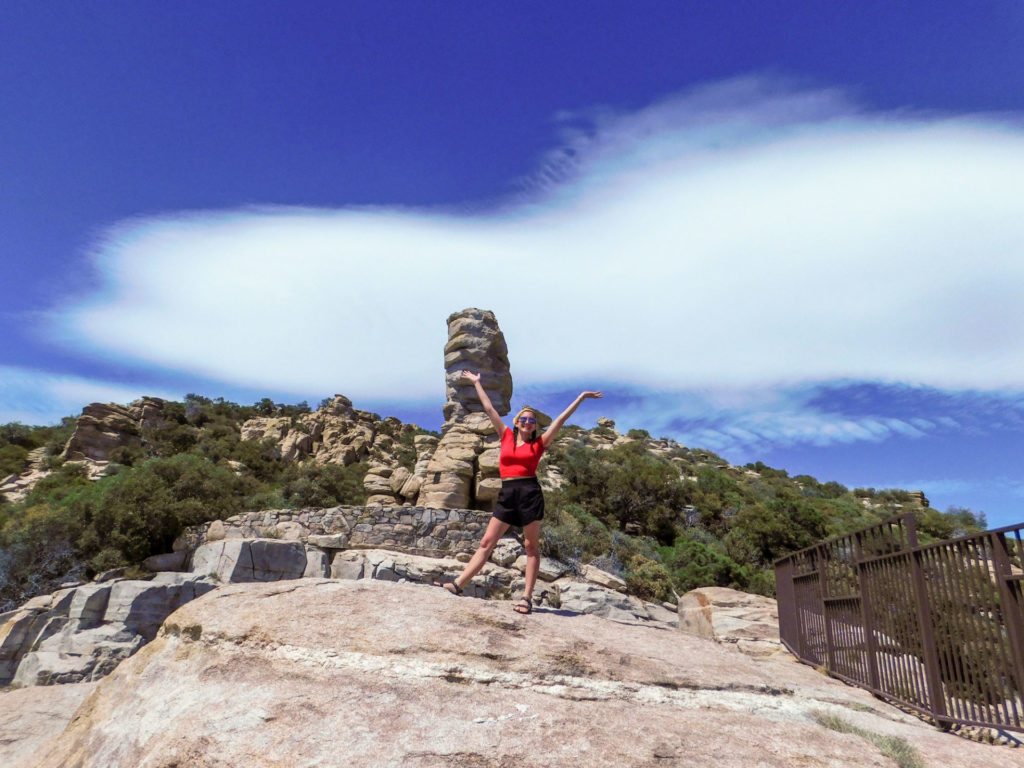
476, 343
104, 427
336, 433
99, 432
463, 468
240, 560
82, 633
369, 673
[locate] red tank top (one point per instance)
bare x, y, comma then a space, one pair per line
518, 461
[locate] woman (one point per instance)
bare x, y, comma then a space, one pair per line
520, 501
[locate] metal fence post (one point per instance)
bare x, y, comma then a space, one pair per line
830, 645
867, 616
1013, 611
936, 699
789, 629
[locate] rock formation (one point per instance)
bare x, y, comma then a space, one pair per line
281, 675
475, 343
99, 432
337, 433
463, 468
81, 633
104, 427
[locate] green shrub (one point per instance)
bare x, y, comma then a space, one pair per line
693, 564
624, 486
13, 460
312, 484
573, 535
36, 554
648, 579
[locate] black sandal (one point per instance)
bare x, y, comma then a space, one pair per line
524, 607
450, 586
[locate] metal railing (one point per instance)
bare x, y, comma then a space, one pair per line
937, 628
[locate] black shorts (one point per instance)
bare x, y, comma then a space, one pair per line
520, 501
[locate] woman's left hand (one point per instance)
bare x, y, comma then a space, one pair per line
588, 395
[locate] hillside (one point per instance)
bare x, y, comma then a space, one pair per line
118, 484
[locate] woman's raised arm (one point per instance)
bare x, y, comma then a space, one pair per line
556, 425
499, 425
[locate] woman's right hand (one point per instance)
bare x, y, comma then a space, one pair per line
473, 377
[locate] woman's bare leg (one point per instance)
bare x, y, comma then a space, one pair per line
495, 530
531, 540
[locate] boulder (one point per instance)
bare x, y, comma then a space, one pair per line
550, 569
295, 446
266, 428
235, 560
329, 540
581, 597
89, 604
78, 655
507, 551
367, 673
171, 561
751, 622
83, 633
142, 606
101, 429
318, 563
595, 575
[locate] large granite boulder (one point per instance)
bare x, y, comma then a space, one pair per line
239, 560
751, 622
82, 633
369, 673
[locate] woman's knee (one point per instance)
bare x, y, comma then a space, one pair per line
489, 542
532, 547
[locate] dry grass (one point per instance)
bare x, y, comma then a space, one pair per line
891, 746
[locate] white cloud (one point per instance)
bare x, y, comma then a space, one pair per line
742, 235
36, 397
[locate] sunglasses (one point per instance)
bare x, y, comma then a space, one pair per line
527, 420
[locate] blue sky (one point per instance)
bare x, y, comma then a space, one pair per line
788, 232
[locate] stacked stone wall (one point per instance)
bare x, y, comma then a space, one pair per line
413, 530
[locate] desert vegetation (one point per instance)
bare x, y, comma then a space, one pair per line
664, 517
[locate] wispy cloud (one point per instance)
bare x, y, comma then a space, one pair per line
743, 424
742, 236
